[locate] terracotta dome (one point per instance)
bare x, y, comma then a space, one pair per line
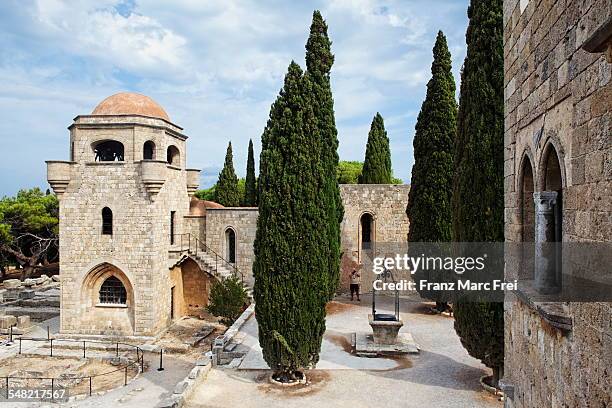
198, 207
128, 103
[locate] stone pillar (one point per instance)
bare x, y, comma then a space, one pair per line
547, 272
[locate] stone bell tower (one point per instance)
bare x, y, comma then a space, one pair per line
123, 197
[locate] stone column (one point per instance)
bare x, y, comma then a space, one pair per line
547, 275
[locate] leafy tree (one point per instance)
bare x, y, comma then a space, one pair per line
377, 164
207, 194
319, 61
290, 266
226, 192
349, 171
227, 299
29, 230
250, 191
478, 188
429, 201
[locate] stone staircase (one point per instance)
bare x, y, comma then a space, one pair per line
218, 267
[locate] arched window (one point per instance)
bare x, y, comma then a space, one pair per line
173, 156
367, 231
108, 150
230, 245
553, 182
112, 291
552, 175
107, 221
148, 150
527, 204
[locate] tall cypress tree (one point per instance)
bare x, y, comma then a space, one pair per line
478, 191
319, 61
250, 187
290, 266
377, 163
429, 201
226, 191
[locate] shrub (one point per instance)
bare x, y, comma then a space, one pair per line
227, 299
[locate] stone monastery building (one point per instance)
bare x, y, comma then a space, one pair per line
138, 250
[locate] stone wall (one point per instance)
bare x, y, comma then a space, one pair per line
243, 220
191, 289
387, 205
558, 98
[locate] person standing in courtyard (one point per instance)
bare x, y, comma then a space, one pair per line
355, 283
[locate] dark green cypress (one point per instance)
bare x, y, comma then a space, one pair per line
250, 187
478, 188
429, 201
377, 163
226, 191
319, 61
290, 265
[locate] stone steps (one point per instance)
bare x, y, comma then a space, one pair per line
217, 268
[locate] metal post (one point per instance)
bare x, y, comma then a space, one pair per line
11, 335
161, 360
48, 333
20, 345
51, 347
83, 349
52, 386
125, 382
7, 390
90, 386
117, 349
142, 362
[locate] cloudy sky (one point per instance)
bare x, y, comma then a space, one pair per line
215, 66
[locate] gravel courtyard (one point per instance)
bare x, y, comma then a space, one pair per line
442, 375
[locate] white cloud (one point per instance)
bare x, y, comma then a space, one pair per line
95, 29
215, 66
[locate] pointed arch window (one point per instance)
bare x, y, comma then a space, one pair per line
107, 221
112, 291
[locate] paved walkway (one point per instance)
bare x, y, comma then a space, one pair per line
442, 375
145, 391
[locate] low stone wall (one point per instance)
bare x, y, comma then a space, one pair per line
557, 368
184, 389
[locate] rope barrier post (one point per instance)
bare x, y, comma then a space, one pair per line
20, 345
125, 381
117, 354
51, 347
7, 388
48, 333
161, 360
11, 335
83, 349
142, 362
90, 386
52, 386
